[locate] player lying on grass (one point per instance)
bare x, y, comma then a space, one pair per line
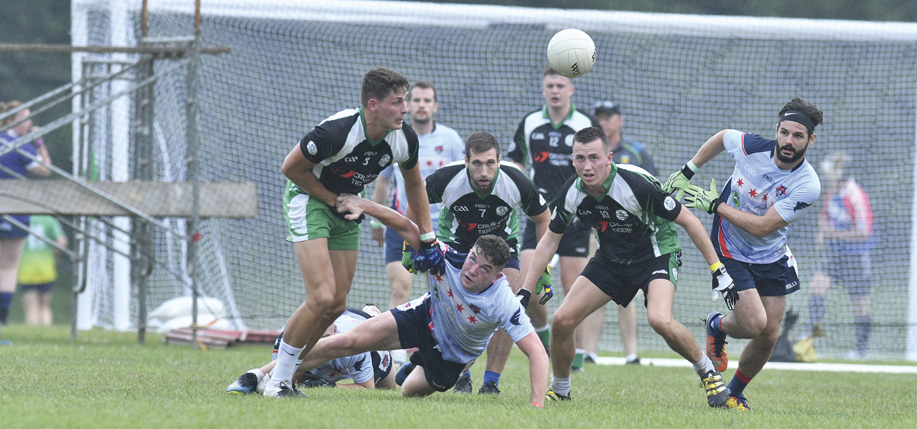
368, 370
452, 324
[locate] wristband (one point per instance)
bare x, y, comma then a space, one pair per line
375, 224
524, 297
688, 170
427, 236
39, 142
715, 266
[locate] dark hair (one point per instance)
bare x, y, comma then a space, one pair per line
423, 84
480, 142
591, 134
379, 82
494, 249
548, 71
806, 108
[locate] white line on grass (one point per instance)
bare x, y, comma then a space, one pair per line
793, 366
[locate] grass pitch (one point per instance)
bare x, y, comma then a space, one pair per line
106, 379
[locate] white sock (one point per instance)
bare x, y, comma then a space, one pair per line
258, 373
287, 356
631, 358
561, 385
703, 366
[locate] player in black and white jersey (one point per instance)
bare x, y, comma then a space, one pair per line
479, 197
544, 142
339, 157
638, 250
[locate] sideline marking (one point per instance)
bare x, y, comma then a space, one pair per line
792, 366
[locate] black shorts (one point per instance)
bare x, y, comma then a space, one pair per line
41, 288
774, 279
621, 282
413, 319
575, 241
854, 271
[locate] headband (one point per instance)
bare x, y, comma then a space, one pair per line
798, 117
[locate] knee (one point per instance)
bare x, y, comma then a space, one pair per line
754, 327
662, 324
562, 324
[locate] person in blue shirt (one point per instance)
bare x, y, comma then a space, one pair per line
771, 186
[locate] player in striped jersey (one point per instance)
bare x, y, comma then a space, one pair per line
480, 197
771, 185
638, 250
340, 156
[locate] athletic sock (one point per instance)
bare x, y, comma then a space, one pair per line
287, 356
544, 334
561, 385
578, 358
258, 374
738, 383
491, 376
6, 299
703, 366
863, 328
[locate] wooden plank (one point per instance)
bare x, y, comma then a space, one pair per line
157, 199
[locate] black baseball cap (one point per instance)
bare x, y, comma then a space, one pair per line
607, 107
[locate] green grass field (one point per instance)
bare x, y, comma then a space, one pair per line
107, 379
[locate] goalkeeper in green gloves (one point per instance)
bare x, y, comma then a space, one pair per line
771, 186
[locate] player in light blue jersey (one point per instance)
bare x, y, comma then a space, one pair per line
439, 145
452, 324
770, 187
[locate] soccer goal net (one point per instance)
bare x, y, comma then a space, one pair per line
677, 78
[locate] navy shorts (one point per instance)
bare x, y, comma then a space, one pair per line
854, 271
774, 279
413, 319
394, 245
8, 230
622, 281
42, 288
575, 241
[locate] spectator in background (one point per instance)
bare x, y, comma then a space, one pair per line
14, 165
845, 229
38, 269
625, 152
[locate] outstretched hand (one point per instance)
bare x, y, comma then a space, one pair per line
703, 199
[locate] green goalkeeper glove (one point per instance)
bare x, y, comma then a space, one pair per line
680, 180
702, 199
545, 283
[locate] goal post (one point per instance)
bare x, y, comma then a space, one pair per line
678, 79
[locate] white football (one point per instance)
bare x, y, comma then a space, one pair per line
571, 52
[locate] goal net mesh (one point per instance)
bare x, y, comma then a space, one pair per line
679, 79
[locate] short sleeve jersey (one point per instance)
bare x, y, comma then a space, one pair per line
468, 214
633, 220
634, 153
38, 264
464, 322
756, 185
359, 367
848, 209
546, 148
346, 159
438, 148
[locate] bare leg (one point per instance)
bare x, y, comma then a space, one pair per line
759, 349
584, 298
627, 324
501, 344
570, 269
660, 296
31, 307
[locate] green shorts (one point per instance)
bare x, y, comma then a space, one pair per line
309, 219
